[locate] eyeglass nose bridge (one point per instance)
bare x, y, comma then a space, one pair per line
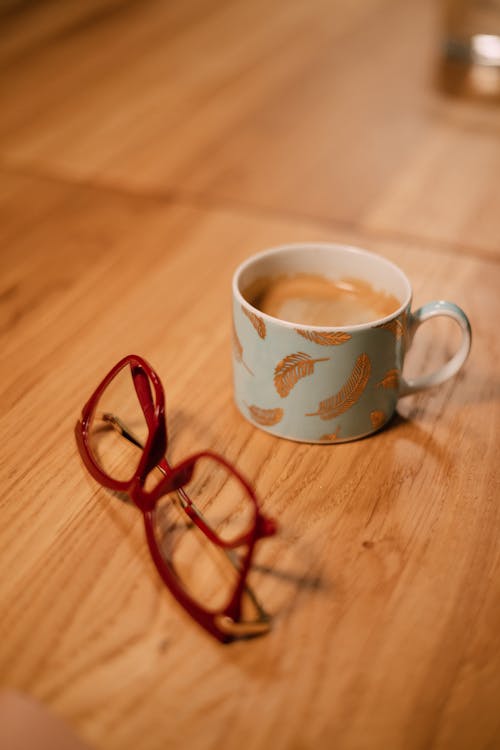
179, 477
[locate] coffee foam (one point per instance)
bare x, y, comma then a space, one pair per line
312, 299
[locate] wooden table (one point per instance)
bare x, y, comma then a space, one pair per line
145, 149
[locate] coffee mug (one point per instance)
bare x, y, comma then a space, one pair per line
325, 383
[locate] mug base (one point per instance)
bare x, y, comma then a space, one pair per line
295, 439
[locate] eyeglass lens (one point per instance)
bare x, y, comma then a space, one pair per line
118, 458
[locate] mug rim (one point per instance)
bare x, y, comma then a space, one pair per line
278, 249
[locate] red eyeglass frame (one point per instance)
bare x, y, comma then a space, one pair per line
225, 623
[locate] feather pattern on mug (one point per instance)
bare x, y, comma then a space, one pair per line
256, 321
377, 418
265, 417
390, 379
350, 392
331, 437
238, 351
293, 368
325, 338
396, 327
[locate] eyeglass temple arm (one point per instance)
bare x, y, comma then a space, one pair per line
118, 425
121, 428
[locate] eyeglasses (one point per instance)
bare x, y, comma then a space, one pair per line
201, 517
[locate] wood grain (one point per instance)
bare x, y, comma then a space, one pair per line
145, 150
337, 103
384, 582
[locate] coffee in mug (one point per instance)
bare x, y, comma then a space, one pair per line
311, 299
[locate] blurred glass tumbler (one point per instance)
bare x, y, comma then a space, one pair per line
328, 383
472, 31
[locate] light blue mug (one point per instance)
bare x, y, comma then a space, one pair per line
325, 384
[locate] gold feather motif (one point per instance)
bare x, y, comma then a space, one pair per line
256, 321
237, 347
265, 417
390, 379
327, 338
332, 436
238, 351
350, 392
291, 369
377, 418
395, 327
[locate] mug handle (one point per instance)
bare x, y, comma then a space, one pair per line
431, 310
